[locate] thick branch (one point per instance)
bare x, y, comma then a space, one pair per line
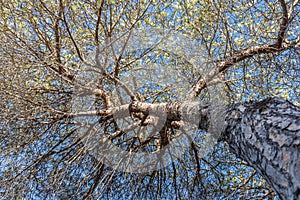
278, 46
265, 134
284, 23
248, 53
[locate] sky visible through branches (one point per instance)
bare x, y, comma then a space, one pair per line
80, 78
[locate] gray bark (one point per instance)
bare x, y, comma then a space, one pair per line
267, 135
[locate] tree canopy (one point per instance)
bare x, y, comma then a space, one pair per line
78, 77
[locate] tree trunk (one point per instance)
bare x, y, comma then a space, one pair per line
267, 135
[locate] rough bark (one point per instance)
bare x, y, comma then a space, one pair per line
267, 135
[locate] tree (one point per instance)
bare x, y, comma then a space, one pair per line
168, 79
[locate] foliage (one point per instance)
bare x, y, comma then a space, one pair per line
46, 44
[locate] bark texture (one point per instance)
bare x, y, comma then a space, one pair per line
267, 135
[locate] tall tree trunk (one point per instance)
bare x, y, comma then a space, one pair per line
267, 135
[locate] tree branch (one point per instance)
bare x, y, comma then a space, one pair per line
284, 23
248, 53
